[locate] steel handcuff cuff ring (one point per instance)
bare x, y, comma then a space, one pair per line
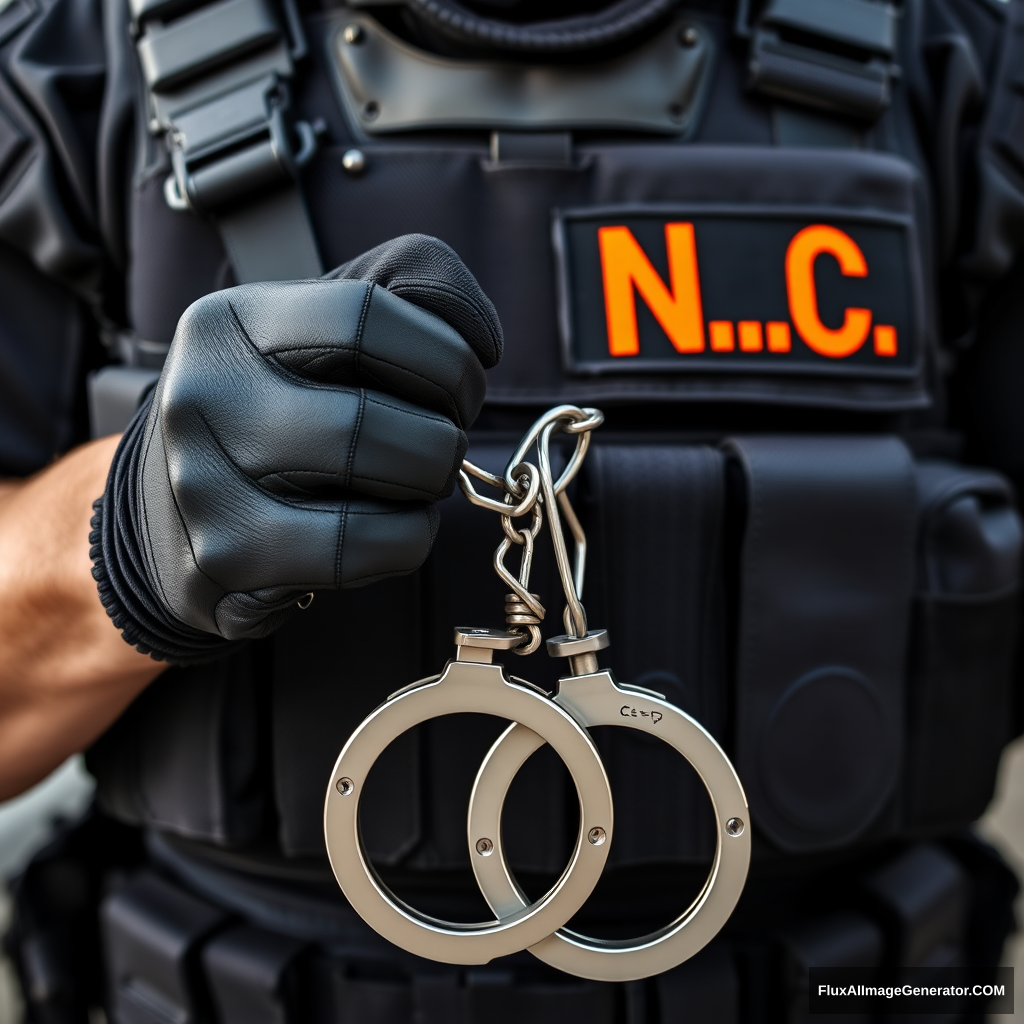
588, 697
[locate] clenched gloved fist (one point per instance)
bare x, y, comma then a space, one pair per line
298, 438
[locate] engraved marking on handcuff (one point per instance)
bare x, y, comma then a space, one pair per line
628, 712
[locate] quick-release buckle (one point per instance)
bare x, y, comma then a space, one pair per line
235, 145
837, 55
217, 78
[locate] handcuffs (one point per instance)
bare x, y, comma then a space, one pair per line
588, 696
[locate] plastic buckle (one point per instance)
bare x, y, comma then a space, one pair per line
234, 145
832, 54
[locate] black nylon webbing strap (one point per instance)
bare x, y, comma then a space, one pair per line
656, 575
826, 576
271, 239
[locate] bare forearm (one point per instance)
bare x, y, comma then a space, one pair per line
65, 672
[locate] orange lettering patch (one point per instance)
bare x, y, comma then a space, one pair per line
711, 291
806, 247
625, 267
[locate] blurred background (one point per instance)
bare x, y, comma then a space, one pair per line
25, 825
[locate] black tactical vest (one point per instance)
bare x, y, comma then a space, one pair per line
734, 238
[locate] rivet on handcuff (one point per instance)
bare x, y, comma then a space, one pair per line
588, 697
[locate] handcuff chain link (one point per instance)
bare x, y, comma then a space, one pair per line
526, 488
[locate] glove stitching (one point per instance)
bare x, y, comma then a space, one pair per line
362, 359
181, 519
343, 521
314, 357
252, 481
432, 417
381, 575
419, 491
355, 438
283, 474
145, 507
436, 288
342, 524
444, 396
456, 466
268, 360
361, 326
391, 511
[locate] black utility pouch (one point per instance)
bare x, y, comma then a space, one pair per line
153, 933
963, 643
825, 581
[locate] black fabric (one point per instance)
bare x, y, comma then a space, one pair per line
214, 467
332, 666
51, 86
657, 514
189, 755
825, 583
161, 286
997, 232
184, 934
42, 344
960, 677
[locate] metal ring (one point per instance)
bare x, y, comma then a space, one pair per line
570, 419
598, 700
525, 504
483, 689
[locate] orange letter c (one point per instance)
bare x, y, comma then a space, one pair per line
803, 250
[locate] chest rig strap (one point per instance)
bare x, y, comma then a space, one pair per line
217, 77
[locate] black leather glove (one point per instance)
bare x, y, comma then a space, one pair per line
298, 438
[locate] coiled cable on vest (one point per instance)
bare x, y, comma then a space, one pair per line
566, 35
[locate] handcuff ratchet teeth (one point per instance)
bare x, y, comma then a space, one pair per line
472, 682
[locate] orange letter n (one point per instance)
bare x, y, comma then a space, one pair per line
625, 265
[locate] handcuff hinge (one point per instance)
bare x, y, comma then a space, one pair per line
581, 651
479, 645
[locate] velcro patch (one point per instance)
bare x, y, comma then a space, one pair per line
657, 288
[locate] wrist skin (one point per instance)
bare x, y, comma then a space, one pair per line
65, 672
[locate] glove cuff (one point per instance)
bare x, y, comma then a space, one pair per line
120, 572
